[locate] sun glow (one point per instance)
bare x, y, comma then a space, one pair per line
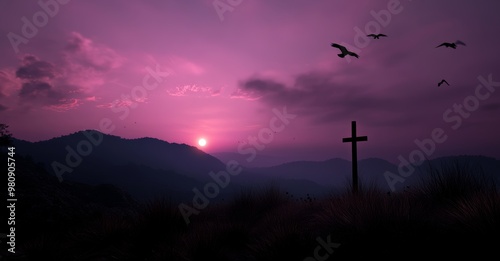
202, 142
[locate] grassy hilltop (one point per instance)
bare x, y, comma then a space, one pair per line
455, 212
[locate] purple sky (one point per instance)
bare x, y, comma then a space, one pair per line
72, 66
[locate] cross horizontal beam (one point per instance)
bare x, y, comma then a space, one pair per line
360, 138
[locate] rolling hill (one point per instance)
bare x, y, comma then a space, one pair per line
148, 168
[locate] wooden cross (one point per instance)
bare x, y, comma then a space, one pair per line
354, 139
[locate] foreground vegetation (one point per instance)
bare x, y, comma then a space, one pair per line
456, 212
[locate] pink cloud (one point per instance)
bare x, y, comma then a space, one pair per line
9, 83
116, 104
91, 98
64, 105
193, 89
85, 52
61, 85
39, 83
186, 66
87, 63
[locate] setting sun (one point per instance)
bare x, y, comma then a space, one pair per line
202, 142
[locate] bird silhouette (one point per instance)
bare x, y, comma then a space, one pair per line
344, 51
443, 81
451, 45
377, 36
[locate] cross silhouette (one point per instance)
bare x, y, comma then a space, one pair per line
354, 139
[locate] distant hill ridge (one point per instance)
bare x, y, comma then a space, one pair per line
146, 167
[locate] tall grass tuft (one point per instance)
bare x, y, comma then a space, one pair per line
456, 180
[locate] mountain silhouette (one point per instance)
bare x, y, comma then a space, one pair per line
331, 175
147, 168
144, 167
334, 175
114, 150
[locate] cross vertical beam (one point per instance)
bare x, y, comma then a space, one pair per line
354, 139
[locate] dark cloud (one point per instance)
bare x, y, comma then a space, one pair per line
317, 95
46, 95
63, 85
34, 69
3, 107
37, 90
258, 88
43, 84
7, 82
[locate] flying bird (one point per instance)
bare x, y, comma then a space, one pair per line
443, 81
344, 51
451, 45
377, 36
